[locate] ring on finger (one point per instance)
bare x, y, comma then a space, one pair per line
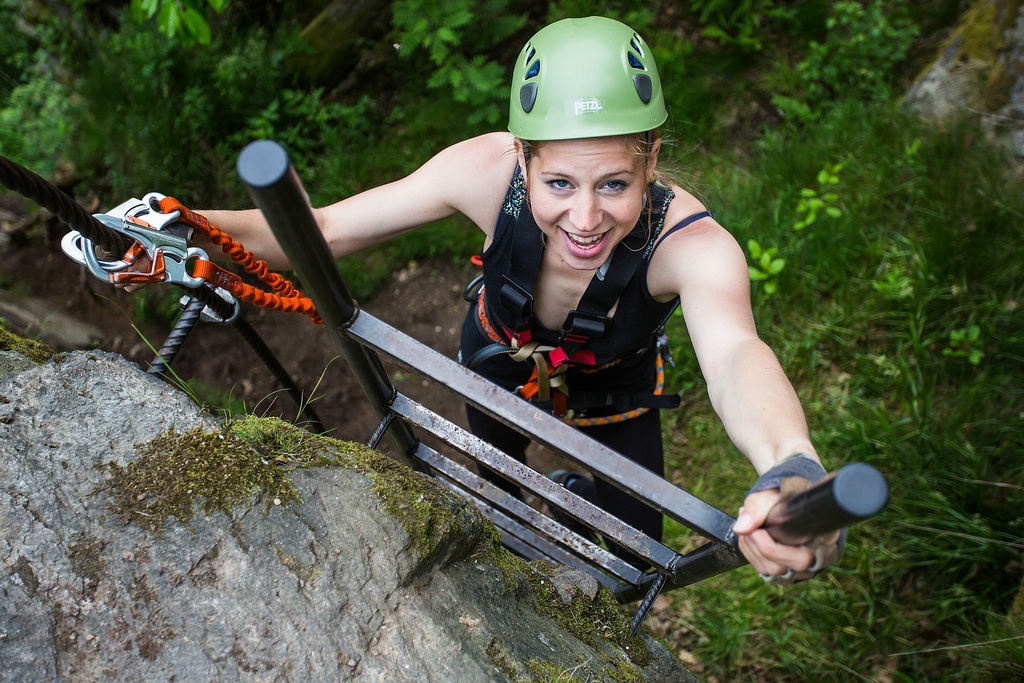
779, 578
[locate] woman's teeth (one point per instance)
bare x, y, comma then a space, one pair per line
585, 241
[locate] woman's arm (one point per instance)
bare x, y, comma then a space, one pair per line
706, 268
748, 389
470, 177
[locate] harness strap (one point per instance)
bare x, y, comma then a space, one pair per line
623, 402
589, 320
486, 353
636, 412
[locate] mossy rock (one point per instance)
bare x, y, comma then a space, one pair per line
35, 351
250, 462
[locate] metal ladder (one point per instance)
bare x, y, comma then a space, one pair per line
854, 493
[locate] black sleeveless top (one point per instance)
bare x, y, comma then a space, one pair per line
625, 354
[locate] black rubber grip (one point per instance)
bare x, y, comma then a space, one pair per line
851, 494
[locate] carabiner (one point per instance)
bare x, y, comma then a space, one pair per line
168, 255
71, 245
166, 250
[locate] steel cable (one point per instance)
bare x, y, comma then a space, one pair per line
186, 322
45, 194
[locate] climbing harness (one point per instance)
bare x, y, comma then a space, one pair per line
549, 390
578, 343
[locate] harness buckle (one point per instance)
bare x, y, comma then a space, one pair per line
517, 301
580, 326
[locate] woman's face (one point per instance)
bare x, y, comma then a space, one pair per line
586, 196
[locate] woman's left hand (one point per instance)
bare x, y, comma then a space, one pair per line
774, 561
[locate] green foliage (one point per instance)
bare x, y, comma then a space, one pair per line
639, 18
902, 331
37, 120
749, 26
15, 50
767, 266
864, 43
734, 22
301, 121
812, 202
189, 111
454, 36
38, 108
965, 343
180, 21
156, 306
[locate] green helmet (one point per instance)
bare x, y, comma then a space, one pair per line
585, 78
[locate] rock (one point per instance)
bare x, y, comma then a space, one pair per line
375, 573
979, 69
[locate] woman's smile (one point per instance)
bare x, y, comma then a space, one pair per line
584, 246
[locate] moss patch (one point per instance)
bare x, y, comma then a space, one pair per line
428, 513
504, 661
304, 573
250, 458
35, 351
87, 561
586, 618
625, 672
546, 672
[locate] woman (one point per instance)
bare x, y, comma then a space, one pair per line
586, 253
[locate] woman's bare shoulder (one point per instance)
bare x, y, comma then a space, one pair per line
482, 153
684, 204
702, 251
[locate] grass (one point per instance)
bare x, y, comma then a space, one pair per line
866, 326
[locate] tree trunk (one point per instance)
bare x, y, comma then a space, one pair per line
337, 36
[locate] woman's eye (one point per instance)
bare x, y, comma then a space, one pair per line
616, 185
559, 184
